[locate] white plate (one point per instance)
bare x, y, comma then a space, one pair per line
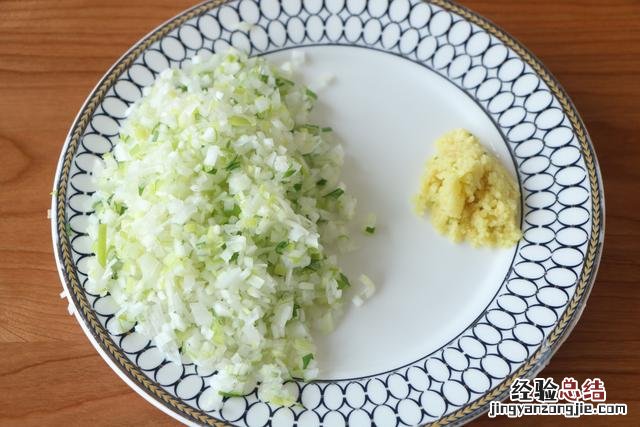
451, 326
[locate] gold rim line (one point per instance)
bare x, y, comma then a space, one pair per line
474, 408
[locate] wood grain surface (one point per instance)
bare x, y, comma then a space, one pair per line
52, 53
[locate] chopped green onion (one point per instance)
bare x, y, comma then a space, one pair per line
281, 81
155, 132
235, 211
101, 245
280, 247
306, 359
234, 164
370, 224
229, 394
119, 208
314, 264
311, 94
250, 204
309, 128
343, 281
335, 194
239, 121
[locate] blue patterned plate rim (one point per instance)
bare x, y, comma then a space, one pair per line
67, 259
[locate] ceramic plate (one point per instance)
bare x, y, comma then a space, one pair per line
450, 326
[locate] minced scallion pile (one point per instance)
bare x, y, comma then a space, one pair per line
212, 218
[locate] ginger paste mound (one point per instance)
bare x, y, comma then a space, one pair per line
469, 194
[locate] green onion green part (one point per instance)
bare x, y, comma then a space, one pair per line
306, 359
234, 164
311, 94
101, 245
280, 247
230, 394
335, 194
343, 281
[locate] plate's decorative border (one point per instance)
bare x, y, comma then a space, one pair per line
533, 363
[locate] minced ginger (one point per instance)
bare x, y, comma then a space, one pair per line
469, 194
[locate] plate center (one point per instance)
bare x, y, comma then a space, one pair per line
387, 112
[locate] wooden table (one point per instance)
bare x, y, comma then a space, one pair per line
53, 52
